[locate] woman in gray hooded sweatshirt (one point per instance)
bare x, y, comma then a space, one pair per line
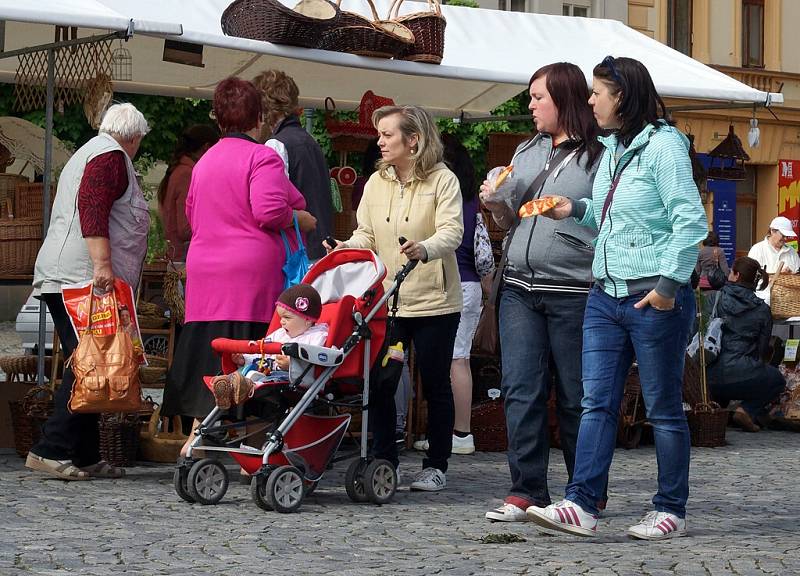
545, 283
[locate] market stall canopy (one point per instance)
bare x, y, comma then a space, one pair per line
25, 142
489, 54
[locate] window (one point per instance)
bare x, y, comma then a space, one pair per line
753, 33
513, 5
581, 10
679, 25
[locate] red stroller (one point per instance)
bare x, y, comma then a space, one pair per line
303, 444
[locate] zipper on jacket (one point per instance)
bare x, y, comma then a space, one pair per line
611, 224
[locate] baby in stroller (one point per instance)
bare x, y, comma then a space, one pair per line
299, 308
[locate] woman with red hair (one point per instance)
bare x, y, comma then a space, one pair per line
239, 201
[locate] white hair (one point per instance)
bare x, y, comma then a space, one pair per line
124, 121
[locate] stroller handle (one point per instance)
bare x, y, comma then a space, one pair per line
229, 346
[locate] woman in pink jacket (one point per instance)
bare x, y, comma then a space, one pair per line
239, 201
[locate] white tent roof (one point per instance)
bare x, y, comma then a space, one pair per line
489, 54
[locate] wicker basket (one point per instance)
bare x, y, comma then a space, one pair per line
707, 423
632, 416
20, 241
502, 146
692, 382
343, 224
785, 296
152, 322
119, 438
8, 187
157, 446
271, 21
152, 374
489, 426
23, 368
174, 291
378, 38
28, 200
27, 417
428, 29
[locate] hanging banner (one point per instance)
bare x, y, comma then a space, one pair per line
788, 192
725, 215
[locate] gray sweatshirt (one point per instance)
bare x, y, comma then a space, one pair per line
546, 254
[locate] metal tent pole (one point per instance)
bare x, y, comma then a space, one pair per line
48, 164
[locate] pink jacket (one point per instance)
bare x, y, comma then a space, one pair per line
239, 200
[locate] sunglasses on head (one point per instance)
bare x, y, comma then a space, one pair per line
608, 62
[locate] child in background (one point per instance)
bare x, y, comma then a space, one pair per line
299, 308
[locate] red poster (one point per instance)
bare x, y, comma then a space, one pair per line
789, 192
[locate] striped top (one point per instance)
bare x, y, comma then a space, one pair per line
650, 235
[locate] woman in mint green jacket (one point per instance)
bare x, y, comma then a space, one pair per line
649, 218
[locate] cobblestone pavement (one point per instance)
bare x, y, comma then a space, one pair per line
743, 520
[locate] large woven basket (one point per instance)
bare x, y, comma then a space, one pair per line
159, 446
785, 296
28, 199
632, 415
8, 187
271, 21
356, 34
27, 417
20, 241
489, 426
707, 423
428, 29
119, 438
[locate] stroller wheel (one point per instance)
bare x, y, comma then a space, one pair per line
380, 481
207, 481
258, 490
285, 489
179, 482
354, 480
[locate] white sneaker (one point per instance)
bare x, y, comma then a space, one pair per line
565, 516
429, 480
657, 526
507, 513
465, 445
421, 445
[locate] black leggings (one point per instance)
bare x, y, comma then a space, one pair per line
433, 338
67, 436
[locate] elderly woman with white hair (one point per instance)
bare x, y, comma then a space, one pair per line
98, 231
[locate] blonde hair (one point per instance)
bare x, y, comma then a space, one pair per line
279, 95
414, 121
125, 121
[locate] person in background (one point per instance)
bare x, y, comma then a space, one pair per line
239, 201
414, 195
98, 231
710, 257
741, 371
174, 187
308, 170
368, 162
650, 221
544, 286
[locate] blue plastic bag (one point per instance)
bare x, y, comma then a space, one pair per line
297, 264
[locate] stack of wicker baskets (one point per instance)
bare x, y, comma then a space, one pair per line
20, 224
27, 417
119, 438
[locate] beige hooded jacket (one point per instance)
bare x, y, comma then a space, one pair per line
427, 211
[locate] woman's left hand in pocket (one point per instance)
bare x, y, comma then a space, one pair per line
657, 301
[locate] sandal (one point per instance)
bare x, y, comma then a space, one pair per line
63, 469
103, 469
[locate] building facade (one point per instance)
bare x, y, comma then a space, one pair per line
755, 42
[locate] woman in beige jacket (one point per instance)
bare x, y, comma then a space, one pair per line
413, 195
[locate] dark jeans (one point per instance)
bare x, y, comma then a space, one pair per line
533, 327
762, 387
67, 436
433, 338
615, 331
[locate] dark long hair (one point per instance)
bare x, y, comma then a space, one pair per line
192, 140
712, 239
570, 93
640, 103
750, 273
459, 161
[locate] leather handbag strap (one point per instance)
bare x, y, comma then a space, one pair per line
535, 189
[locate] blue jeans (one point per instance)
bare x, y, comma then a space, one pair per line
615, 332
533, 327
